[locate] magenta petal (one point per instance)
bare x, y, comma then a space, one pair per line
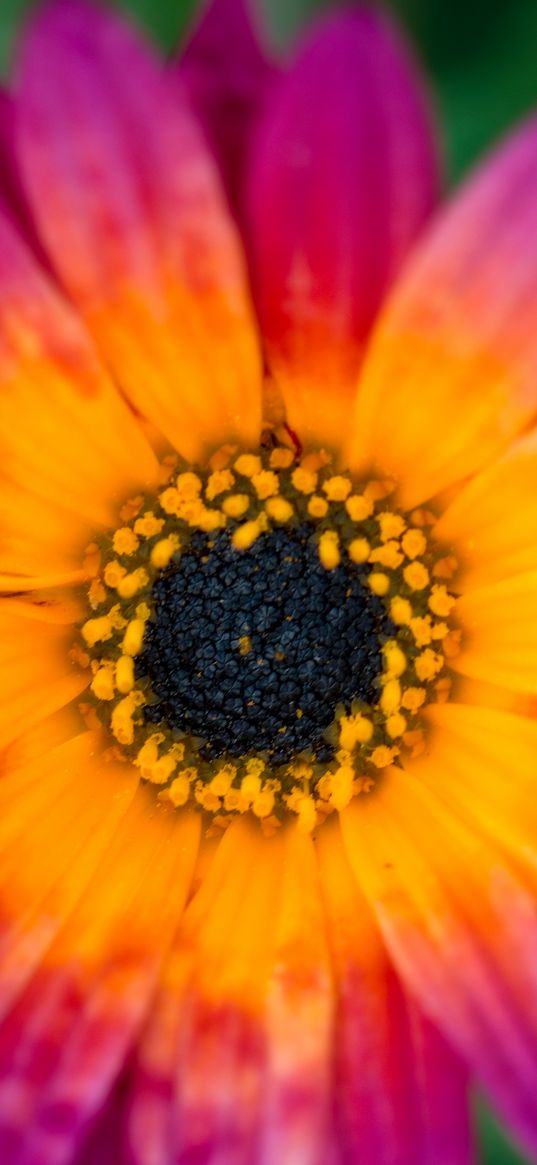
228, 78
12, 196
401, 1094
343, 177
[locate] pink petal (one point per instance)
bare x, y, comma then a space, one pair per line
400, 1092
451, 374
343, 176
129, 206
228, 79
12, 197
65, 1040
446, 856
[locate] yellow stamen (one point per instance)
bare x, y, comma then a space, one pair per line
125, 541
317, 506
416, 576
279, 509
248, 464
359, 508
329, 551
133, 637
337, 488
125, 673
379, 583
236, 505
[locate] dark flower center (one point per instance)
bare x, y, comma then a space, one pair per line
253, 650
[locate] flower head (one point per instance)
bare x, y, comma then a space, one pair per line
268, 641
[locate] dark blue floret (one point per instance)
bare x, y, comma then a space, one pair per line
242, 641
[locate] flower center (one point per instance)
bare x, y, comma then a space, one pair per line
264, 634
253, 650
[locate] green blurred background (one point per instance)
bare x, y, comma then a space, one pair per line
481, 56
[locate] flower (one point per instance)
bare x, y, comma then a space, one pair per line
213, 951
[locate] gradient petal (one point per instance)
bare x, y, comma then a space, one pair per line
456, 906
400, 1093
65, 1039
228, 79
343, 176
452, 371
70, 449
235, 1062
128, 204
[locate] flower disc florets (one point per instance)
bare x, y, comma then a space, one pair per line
265, 633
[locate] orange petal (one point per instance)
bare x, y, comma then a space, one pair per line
36, 675
499, 641
461, 926
237, 1052
102, 891
128, 202
452, 371
385, 1112
492, 521
69, 447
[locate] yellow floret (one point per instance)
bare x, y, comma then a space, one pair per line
218, 482
178, 792
170, 500
395, 658
317, 506
279, 509
412, 699
248, 464
164, 550
414, 543
125, 541
391, 525
307, 814
263, 804
440, 601
395, 725
133, 637
329, 551
337, 488
244, 536
428, 664
281, 458
129, 586
97, 630
359, 508
266, 483
341, 787
148, 525
390, 699
416, 576
188, 485
102, 684
113, 573
122, 719
359, 550
383, 756
250, 787
354, 730
236, 505
304, 480
125, 674
387, 555
379, 583
400, 611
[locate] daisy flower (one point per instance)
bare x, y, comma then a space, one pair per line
268, 635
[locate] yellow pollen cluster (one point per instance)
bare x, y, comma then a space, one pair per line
354, 524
